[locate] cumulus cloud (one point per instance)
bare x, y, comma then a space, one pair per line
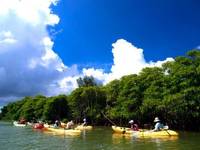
98, 74
35, 12
127, 59
6, 37
198, 47
159, 63
28, 65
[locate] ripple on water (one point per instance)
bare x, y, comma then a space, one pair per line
101, 138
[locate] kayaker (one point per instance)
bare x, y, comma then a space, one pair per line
57, 123
70, 125
158, 125
134, 126
84, 122
22, 121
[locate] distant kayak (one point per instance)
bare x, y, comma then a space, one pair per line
30, 124
64, 131
81, 127
15, 123
144, 133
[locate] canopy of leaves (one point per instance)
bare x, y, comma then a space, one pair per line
171, 92
86, 81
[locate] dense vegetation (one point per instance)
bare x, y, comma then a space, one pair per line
171, 92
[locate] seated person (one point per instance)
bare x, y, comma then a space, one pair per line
84, 122
134, 126
57, 124
158, 125
70, 125
22, 121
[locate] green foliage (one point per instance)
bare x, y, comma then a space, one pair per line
171, 92
56, 108
88, 102
127, 99
86, 81
38, 108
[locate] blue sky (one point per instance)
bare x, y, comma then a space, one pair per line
163, 28
45, 45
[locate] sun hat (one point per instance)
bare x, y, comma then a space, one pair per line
156, 119
131, 121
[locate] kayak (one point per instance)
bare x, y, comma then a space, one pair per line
81, 127
144, 133
30, 124
63, 125
15, 123
64, 131
46, 125
122, 130
150, 133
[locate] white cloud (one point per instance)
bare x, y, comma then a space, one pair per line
127, 59
30, 11
28, 65
68, 84
98, 74
159, 63
6, 37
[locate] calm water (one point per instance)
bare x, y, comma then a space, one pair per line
101, 138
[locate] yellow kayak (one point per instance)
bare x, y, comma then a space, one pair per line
81, 127
150, 133
122, 130
144, 133
63, 125
64, 131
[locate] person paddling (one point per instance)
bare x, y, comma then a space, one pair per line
158, 125
56, 124
22, 121
84, 122
134, 126
70, 125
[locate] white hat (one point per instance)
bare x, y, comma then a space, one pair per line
131, 121
156, 119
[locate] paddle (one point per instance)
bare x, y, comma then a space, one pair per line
108, 119
124, 130
165, 128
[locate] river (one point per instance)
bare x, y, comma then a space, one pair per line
100, 138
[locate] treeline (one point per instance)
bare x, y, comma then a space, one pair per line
171, 92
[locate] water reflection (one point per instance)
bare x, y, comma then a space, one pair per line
101, 138
157, 142
166, 142
117, 136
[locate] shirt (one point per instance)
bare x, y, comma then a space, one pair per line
158, 126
